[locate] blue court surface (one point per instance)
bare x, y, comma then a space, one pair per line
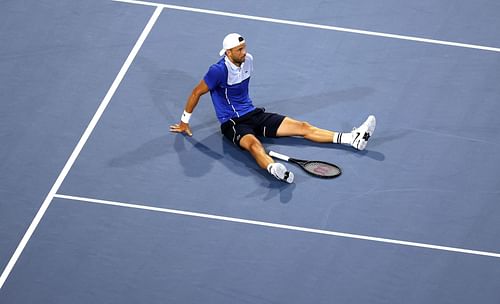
100, 203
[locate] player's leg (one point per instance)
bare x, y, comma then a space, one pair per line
253, 145
358, 138
242, 135
292, 127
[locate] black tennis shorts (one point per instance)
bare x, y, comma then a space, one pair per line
256, 122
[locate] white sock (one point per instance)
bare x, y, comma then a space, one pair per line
342, 138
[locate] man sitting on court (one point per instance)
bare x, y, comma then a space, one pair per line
241, 122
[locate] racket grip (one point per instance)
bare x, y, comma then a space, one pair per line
278, 155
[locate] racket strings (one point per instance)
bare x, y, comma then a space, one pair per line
321, 168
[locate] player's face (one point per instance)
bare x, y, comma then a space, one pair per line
238, 54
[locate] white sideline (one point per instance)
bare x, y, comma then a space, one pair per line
313, 25
280, 226
104, 103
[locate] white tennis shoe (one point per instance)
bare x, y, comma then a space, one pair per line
361, 134
280, 172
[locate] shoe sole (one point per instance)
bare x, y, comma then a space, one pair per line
288, 177
371, 127
283, 175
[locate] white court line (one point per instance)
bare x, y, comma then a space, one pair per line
313, 25
79, 147
280, 226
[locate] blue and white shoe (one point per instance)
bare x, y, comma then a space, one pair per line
361, 134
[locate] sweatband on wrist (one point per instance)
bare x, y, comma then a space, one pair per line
185, 117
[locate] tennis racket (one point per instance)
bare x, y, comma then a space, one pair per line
316, 168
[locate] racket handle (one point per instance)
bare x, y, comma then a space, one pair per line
278, 155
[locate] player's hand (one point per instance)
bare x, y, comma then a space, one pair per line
181, 128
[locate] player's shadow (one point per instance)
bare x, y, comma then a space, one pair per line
150, 150
237, 157
169, 89
296, 106
197, 158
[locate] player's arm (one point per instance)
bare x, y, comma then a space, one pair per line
193, 99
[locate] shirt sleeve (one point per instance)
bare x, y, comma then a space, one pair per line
213, 77
249, 60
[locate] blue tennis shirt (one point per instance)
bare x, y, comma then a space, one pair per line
228, 86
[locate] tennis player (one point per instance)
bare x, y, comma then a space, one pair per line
242, 123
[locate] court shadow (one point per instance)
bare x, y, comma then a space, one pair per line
198, 156
297, 106
237, 157
149, 150
196, 159
169, 90
275, 188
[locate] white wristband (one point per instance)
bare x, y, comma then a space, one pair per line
185, 117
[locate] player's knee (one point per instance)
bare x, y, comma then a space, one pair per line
256, 147
251, 144
306, 128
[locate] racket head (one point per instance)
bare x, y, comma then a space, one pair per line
319, 168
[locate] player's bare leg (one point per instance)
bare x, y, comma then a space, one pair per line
292, 127
250, 143
358, 138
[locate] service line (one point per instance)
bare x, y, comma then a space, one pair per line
279, 226
313, 25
